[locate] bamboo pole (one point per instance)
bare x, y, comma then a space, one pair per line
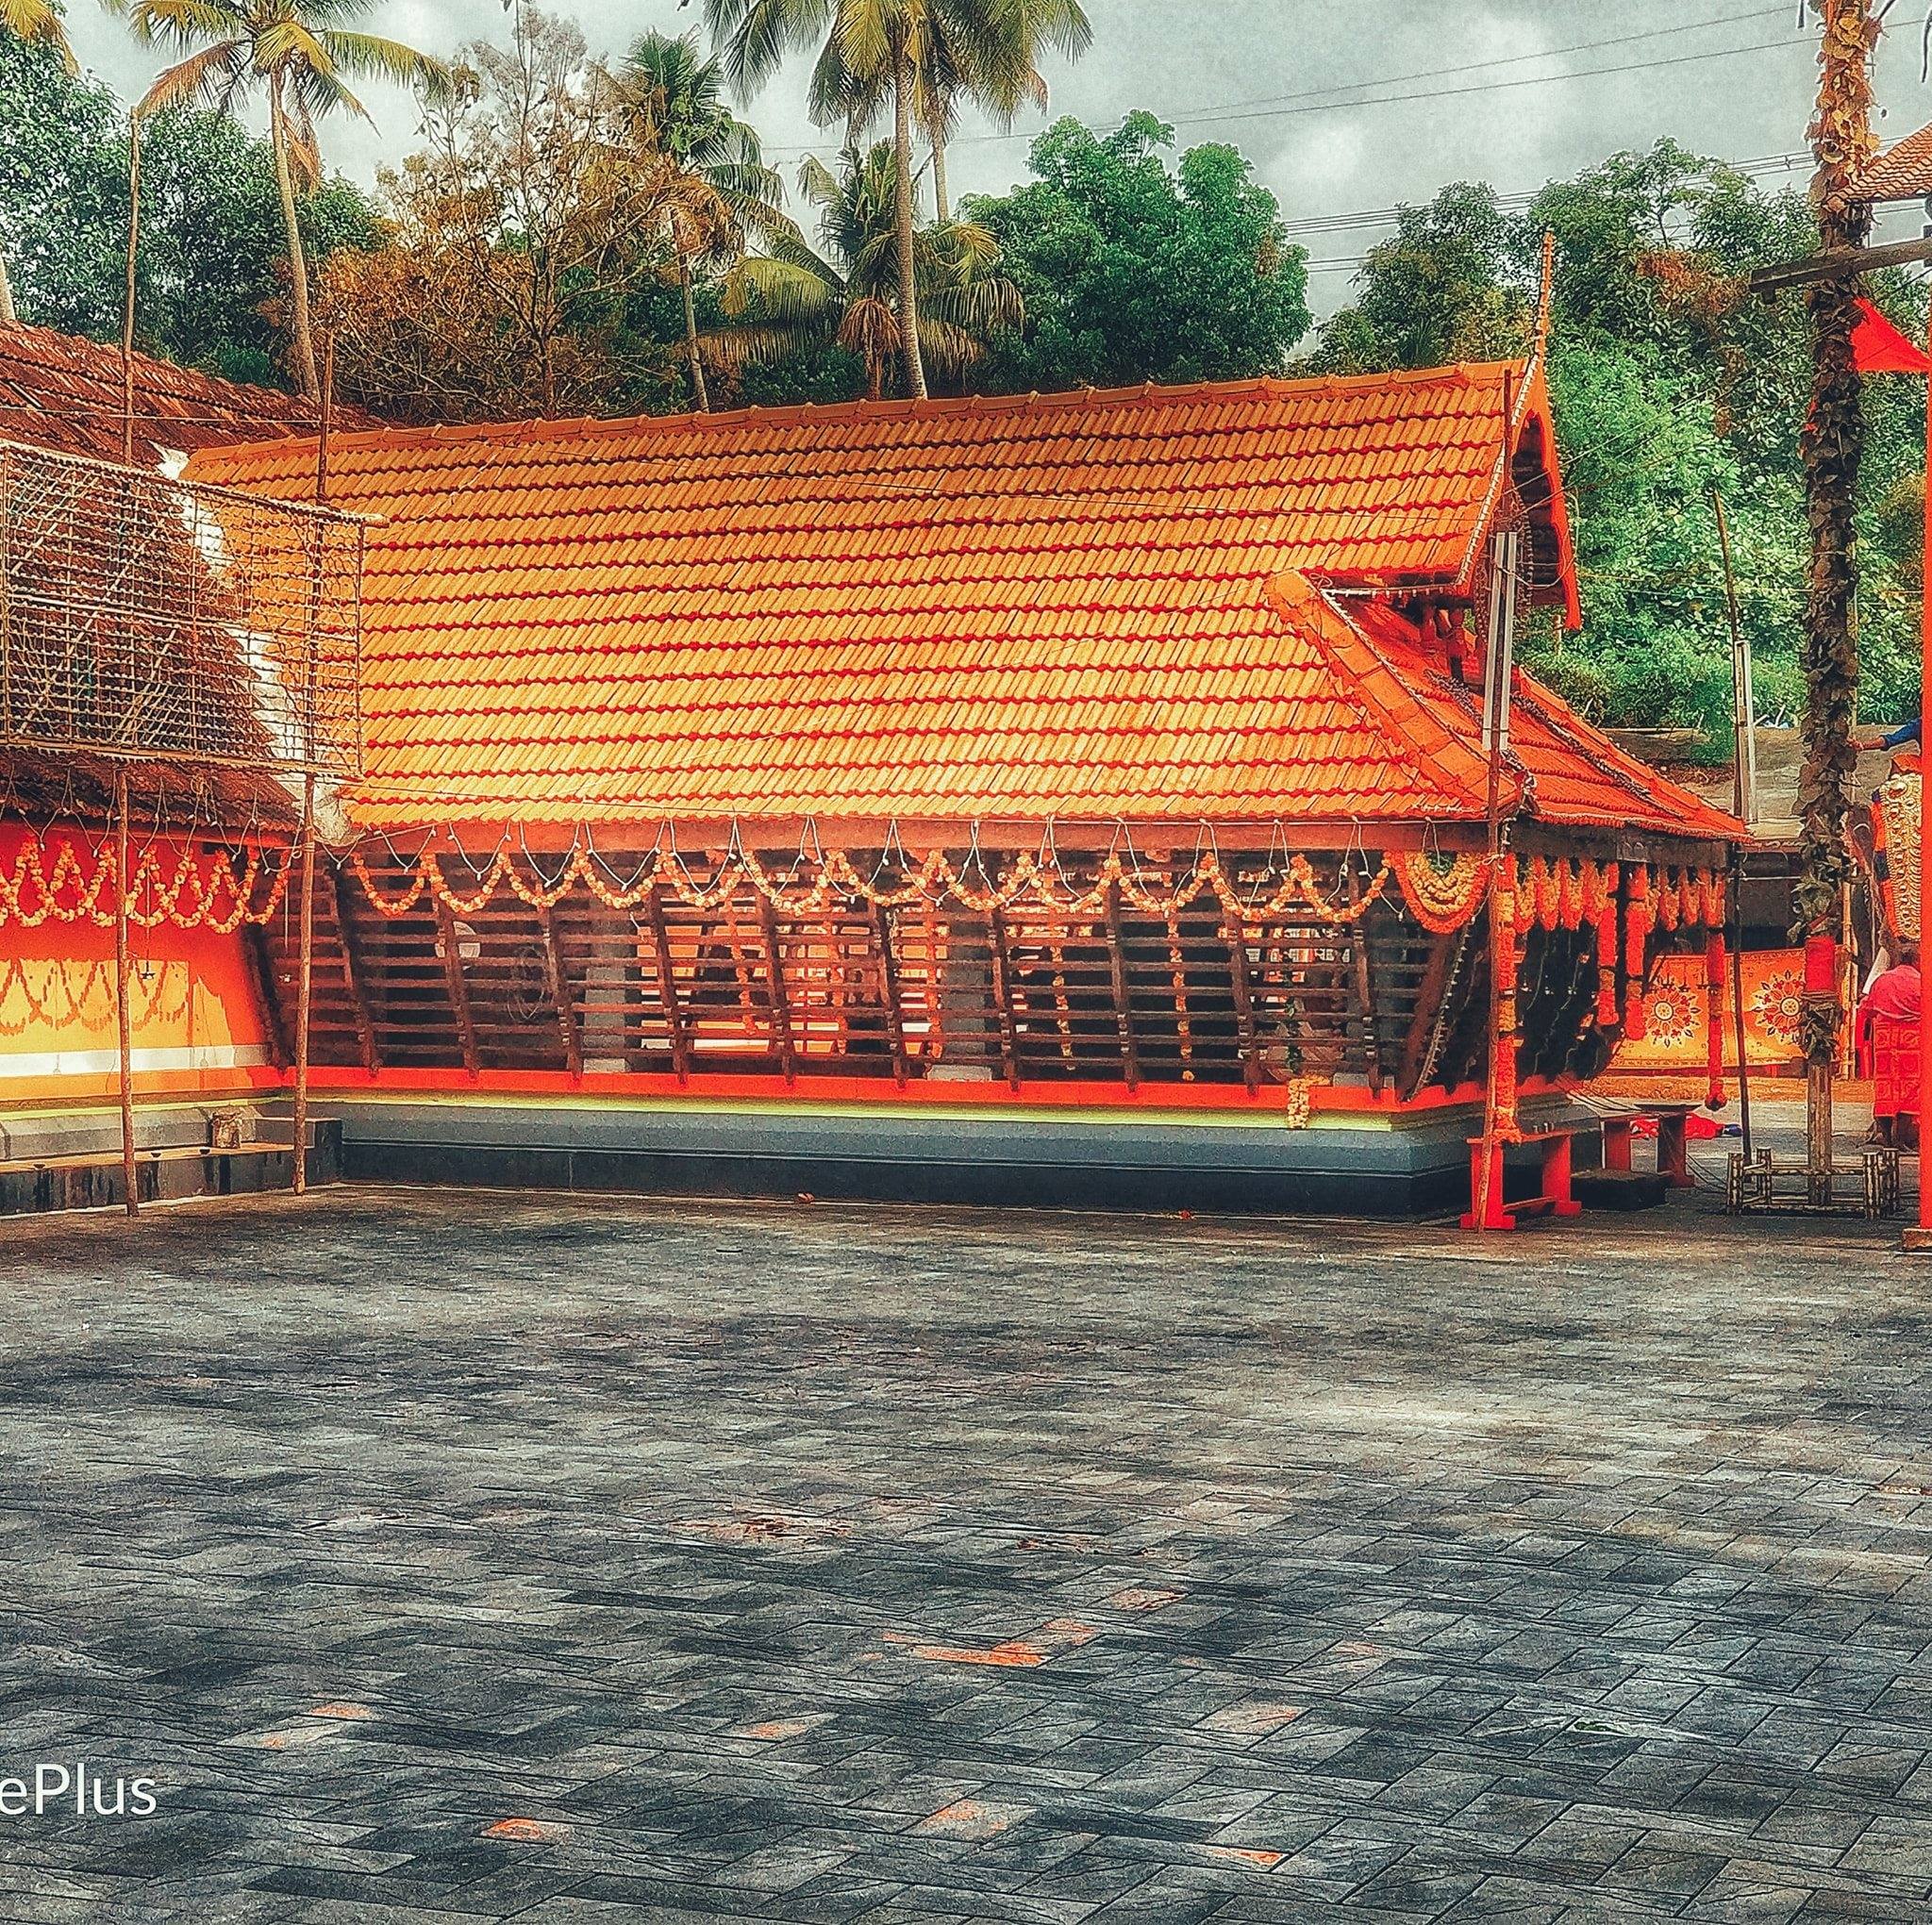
1737, 935
305, 977
127, 307
123, 1012
1499, 665
304, 982
1743, 715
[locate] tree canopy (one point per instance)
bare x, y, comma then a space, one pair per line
1131, 270
213, 279
1670, 382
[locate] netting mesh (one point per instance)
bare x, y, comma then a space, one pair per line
166, 619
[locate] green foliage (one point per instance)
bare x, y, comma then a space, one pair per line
1133, 271
212, 263
62, 211
1669, 381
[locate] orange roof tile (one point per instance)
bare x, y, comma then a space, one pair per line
62, 391
1903, 172
1087, 606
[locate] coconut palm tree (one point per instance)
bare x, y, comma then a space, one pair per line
874, 45
719, 191
303, 57
848, 294
38, 24
985, 51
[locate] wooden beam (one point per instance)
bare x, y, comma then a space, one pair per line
1130, 1055
1003, 996
666, 985
1236, 930
781, 1007
889, 991
1364, 983
558, 979
261, 979
1837, 263
352, 972
453, 981
1416, 1045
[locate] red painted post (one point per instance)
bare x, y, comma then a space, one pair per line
1924, 853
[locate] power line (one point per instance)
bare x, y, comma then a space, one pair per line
1519, 203
1239, 109
1283, 106
1509, 204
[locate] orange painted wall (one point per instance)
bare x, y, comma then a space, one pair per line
198, 1029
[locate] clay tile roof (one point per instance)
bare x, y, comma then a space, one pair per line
58, 391
1903, 172
1093, 606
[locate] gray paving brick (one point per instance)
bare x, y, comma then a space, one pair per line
458, 1557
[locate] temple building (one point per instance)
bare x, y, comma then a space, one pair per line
1075, 796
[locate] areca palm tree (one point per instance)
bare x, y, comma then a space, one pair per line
795, 296
37, 24
303, 56
877, 45
720, 191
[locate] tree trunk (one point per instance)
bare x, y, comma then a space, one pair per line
902, 170
690, 339
940, 203
1830, 445
298, 263
7, 317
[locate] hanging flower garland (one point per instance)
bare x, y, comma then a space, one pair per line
33, 893
1028, 885
1638, 922
1600, 907
1442, 900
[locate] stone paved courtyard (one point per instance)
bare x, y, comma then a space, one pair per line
457, 1557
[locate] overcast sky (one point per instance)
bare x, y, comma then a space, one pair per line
1345, 107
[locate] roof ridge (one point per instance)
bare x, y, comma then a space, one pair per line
536, 430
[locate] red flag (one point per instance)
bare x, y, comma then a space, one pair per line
1880, 348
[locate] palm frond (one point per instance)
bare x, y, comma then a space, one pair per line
869, 32
320, 91
754, 36
736, 348
39, 24
374, 56
288, 43
304, 149
181, 23
783, 293
816, 183
949, 350
869, 329
202, 78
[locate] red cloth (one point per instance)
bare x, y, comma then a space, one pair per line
1894, 1069
1893, 997
1887, 1031
1880, 348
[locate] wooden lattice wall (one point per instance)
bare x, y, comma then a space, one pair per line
893, 993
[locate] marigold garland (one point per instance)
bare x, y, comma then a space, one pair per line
1638, 922
32, 894
1029, 885
1442, 899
